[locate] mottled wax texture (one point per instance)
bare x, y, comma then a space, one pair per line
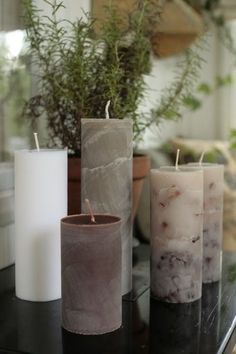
176, 234
91, 274
213, 221
106, 178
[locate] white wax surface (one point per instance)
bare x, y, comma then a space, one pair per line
40, 203
176, 234
213, 220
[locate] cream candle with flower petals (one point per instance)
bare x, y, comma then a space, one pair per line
40, 203
213, 220
176, 234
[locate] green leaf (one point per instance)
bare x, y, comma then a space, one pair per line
204, 88
171, 114
233, 133
192, 102
224, 81
210, 156
231, 273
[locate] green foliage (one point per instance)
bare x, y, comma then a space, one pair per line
78, 73
231, 273
224, 81
204, 88
195, 101
211, 156
174, 97
192, 103
232, 139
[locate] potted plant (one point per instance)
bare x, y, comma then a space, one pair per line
79, 72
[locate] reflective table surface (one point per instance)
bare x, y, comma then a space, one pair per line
206, 326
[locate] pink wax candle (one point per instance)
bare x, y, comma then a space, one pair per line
91, 274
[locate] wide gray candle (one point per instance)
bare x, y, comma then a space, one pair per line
176, 234
106, 178
91, 274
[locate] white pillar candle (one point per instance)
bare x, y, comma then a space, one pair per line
106, 178
176, 234
213, 220
40, 203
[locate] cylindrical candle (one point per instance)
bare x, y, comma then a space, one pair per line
40, 203
106, 178
91, 274
176, 234
213, 220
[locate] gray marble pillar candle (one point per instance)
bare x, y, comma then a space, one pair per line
91, 274
106, 178
176, 234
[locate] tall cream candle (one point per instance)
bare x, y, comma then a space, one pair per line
40, 203
213, 220
176, 234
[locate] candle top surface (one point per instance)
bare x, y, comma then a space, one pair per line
35, 151
205, 165
84, 220
179, 170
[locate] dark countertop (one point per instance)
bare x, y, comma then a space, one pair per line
202, 327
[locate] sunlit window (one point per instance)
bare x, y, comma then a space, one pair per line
14, 90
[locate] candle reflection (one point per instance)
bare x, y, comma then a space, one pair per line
105, 344
38, 326
210, 317
174, 328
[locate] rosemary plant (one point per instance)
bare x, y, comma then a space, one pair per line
78, 73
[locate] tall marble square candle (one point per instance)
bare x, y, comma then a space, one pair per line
213, 220
106, 178
91, 274
40, 203
176, 234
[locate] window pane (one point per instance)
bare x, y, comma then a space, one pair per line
14, 90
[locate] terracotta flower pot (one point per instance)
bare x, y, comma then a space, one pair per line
141, 166
74, 185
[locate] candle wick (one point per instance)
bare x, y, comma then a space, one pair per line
107, 109
201, 158
36, 141
177, 159
87, 202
